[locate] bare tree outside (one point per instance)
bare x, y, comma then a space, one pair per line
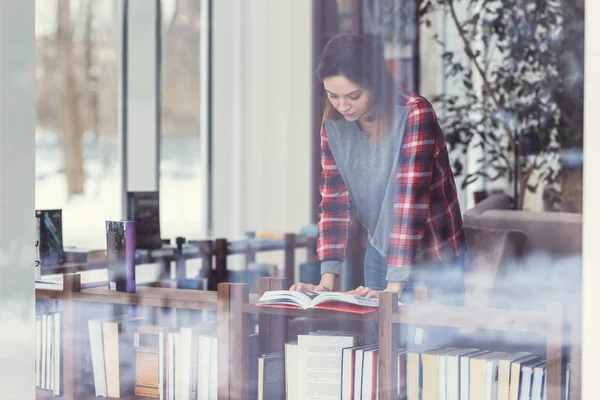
77, 98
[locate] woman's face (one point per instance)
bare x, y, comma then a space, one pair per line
349, 98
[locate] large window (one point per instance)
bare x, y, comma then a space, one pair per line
77, 145
183, 199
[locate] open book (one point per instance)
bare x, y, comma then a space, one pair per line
324, 300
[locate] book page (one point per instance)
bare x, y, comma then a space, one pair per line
287, 297
319, 366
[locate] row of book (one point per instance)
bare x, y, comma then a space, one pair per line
130, 356
48, 354
337, 365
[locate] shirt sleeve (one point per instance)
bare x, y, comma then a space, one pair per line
334, 212
411, 192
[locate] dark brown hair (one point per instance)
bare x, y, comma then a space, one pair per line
360, 59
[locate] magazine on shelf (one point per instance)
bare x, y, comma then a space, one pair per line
338, 301
49, 246
120, 251
143, 208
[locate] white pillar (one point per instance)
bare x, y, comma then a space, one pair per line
591, 198
224, 174
140, 116
17, 198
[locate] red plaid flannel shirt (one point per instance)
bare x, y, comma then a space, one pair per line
427, 223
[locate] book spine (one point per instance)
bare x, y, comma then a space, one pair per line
130, 256
38, 258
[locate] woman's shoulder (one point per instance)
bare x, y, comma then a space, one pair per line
408, 98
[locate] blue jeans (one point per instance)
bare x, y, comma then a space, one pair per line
445, 282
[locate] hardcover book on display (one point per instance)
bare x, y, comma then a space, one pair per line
49, 237
120, 252
143, 208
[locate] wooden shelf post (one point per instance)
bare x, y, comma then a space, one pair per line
221, 253
554, 343
289, 241
575, 359
388, 347
232, 331
71, 343
207, 250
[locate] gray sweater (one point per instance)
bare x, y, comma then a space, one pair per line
368, 170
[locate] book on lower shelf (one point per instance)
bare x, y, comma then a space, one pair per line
336, 301
325, 365
48, 354
131, 356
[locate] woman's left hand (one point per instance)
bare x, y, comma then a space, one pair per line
364, 292
394, 287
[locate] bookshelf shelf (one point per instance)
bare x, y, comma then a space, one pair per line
156, 297
549, 322
144, 296
46, 394
234, 308
72, 293
316, 313
48, 294
473, 318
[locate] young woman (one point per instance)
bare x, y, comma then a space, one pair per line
384, 159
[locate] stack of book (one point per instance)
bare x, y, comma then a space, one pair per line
48, 352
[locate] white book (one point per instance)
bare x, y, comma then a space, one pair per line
491, 378
97, 353
465, 373
171, 369
504, 373
319, 366
56, 369
43, 353
567, 376
369, 374
203, 367
527, 380
453, 372
291, 370
358, 370
185, 357
537, 385
161, 364
348, 371
50, 357
212, 391
38, 350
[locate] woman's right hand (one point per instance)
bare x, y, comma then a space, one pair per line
309, 287
328, 282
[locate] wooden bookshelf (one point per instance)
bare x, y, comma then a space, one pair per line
549, 322
72, 293
164, 255
251, 245
47, 394
235, 306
